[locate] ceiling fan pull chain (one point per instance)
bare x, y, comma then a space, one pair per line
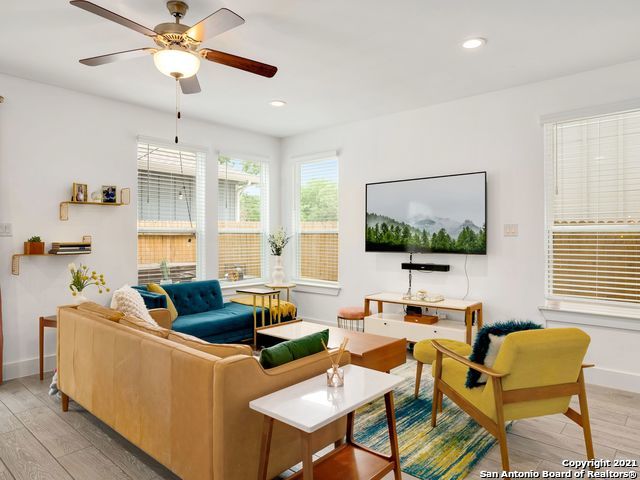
177, 108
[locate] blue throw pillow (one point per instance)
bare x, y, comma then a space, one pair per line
483, 342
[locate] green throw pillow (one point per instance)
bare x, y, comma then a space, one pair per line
293, 349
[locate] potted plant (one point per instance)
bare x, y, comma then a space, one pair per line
81, 278
277, 242
166, 272
34, 246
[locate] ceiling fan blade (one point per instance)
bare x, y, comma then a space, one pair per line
218, 22
240, 62
190, 85
114, 57
114, 17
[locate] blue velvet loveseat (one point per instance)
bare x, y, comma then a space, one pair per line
202, 311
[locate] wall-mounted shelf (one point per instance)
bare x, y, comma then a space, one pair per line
15, 258
125, 199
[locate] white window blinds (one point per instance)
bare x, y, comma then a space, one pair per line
243, 210
316, 220
593, 208
170, 213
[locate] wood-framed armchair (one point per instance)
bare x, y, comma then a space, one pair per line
536, 373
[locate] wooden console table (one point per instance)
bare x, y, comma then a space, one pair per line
394, 325
310, 405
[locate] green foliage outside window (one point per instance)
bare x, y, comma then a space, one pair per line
319, 201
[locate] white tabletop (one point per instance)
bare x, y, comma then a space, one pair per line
445, 304
310, 405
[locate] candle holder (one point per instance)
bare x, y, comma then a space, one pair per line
335, 376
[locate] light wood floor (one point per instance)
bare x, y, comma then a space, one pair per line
39, 441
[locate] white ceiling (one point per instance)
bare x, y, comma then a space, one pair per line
338, 60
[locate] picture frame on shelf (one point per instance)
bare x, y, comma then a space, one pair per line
80, 192
109, 193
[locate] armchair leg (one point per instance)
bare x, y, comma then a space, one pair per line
418, 377
584, 413
436, 392
64, 401
502, 432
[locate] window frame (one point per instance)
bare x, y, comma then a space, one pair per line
201, 155
313, 285
265, 194
595, 311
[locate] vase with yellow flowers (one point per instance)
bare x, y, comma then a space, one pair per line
82, 278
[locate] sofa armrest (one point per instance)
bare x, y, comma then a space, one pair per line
162, 316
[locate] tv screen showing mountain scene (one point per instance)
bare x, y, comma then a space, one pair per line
428, 215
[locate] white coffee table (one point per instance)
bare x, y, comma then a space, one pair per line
311, 405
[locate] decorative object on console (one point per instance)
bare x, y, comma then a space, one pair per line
487, 345
335, 374
109, 193
34, 246
82, 278
277, 242
79, 192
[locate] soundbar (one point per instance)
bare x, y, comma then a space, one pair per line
426, 267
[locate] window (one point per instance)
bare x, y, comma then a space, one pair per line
242, 219
316, 220
170, 213
593, 209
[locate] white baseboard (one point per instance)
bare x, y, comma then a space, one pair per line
617, 379
24, 368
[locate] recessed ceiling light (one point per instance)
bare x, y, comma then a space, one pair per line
277, 103
474, 43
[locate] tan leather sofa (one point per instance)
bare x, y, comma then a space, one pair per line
187, 409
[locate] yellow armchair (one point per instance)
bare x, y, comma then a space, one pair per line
536, 373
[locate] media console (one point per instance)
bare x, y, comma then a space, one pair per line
394, 325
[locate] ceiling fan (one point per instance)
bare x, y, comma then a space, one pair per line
178, 54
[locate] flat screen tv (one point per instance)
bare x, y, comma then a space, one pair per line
446, 214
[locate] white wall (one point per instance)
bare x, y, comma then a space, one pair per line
498, 132
51, 137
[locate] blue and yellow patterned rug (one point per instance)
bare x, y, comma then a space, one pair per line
447, 452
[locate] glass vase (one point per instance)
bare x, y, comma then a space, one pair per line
335, 376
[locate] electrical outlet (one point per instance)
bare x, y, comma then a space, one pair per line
510, 229
6, 230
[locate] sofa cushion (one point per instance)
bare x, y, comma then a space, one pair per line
138, 324
231, 317
155, 288
151, 300
195, 297
214, 349
293, 349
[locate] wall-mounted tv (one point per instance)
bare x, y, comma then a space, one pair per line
446, 214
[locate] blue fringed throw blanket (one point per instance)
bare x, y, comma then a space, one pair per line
484, 340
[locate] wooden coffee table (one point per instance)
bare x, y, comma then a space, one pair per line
367, 350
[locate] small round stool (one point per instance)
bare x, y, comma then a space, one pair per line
424, 352
351, 318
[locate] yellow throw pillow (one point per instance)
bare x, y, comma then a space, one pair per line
155, 288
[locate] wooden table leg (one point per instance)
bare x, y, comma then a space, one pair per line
307, 456
265, 448
367, 307
380, 307
41, 337
393, 435
468, 322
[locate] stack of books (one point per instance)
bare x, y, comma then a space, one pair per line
70, 248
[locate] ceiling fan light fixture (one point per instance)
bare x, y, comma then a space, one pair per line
176, 63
